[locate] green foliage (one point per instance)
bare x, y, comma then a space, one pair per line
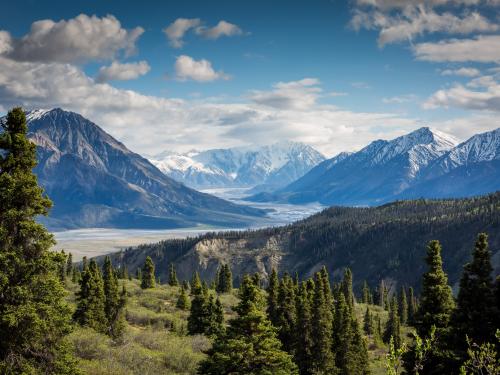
368, 323
34, 317
403, 306
224, 279
347, 287
482, 359
323, 359
394, 358
183, 301
148, 274
114, 302
412, 308
393, 327
250, 345
272, 297
304, 335
436, 301
476, 315
172, 276
206, 313
286, 318
90, 310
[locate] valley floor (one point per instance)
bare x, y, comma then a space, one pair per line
92, 242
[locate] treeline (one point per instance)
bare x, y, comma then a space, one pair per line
390, 239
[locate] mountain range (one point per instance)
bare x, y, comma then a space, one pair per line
424, 163
265, 168
96, 181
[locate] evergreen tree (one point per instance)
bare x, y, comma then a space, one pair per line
304, 340
476, 316
225, 279
62, 266
148, 274
357, 361
347, 287
382, 293
256, 279
403, 306
436, 301
113, 301
183, 301
198, 312
412, 308
69, 264
272, 298
286, 314
342, 333
368, 324
250, 345
138, 274
34, 318
322, 361
90, 300
366, 293
393, 325
172, 276
195, 284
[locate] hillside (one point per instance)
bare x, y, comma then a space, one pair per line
378, 242
96, 181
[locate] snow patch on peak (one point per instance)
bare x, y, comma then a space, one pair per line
36, 114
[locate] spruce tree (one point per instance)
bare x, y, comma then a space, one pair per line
250, 345
347, 287
286, 315
198, 312
195, 284
34, 317
342, 333
148, 274
183, 301
69, 264
412, 308
90, 300
436, 301
393, 325
476, 316
366, 293
382, 293
322, 361
368, 324
403, 306
304, 333
113, 301
172, 276
272, 297
357, 361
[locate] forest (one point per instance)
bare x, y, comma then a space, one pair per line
59, 317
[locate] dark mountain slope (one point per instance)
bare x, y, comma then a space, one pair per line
95, 181
380, 242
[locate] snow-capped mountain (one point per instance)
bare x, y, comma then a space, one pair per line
382, 171
269, 166
96, 181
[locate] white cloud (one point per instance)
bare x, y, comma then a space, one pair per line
187, 68
122, 71
295, 95
481, 93
175, 124
176, 30
400, 99
464, 72
483, 48
223, 28
404, 20
75, 40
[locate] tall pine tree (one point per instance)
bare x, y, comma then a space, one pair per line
148, 274
172, 276
250, 345
34, 317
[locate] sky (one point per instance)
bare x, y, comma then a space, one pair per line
183, 75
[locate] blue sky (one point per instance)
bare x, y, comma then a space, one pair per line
334, 74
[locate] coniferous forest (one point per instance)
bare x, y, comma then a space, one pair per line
107, 317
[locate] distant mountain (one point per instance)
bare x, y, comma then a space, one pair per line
378, 173
95, 181
268, 167
385, 242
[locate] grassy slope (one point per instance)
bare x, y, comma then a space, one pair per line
156, 342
